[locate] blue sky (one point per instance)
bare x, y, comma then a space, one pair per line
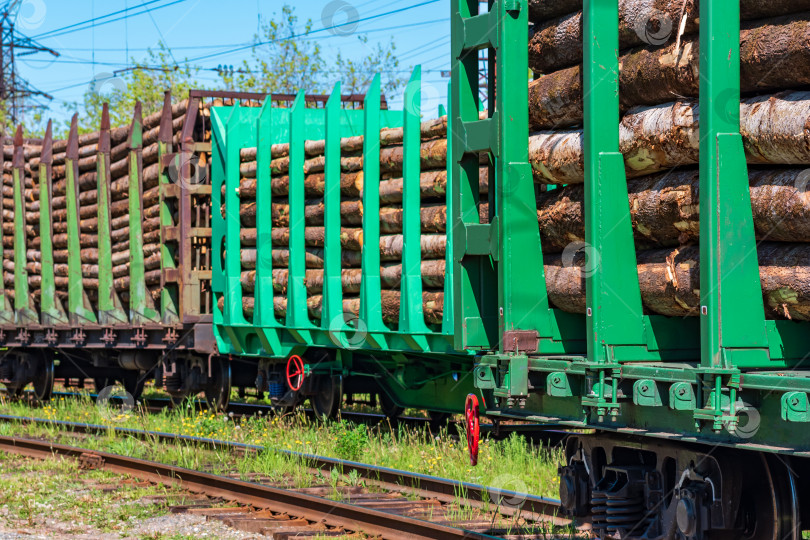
217, 29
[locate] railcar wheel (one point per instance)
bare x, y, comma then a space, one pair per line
133, 384
438, 419
769, 505
218, 389
328, 396
43, 377
100, 383
389, 408
14, 392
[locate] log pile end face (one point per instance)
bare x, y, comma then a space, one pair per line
433, 184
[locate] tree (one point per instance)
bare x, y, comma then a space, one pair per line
145, 81
356, 75
285, 61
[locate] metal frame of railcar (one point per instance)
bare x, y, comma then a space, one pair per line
138, 341
710, 392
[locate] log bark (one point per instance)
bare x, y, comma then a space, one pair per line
432, 185
664, 209
433, 155
541, 10
670, 281
351, 184
557, 43
390, 274
350, 238
773, 56
430, 129
432, 306
280, 257
351, 213
433, 217
775, 130
432, 247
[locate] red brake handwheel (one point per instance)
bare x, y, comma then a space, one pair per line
473, 428
295, 373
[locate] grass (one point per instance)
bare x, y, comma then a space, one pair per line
512, 463
55, 496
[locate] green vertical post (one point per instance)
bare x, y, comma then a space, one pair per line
370, 287
297, 315
110, 310
236, 130
613, 296
80, 311
218, 167
141, 305
522, 297
263, 312
25, 312
6, 311
169, 291
507, 250
332, 308
732, 319
476, 326
411, 317
448, 311
51, 310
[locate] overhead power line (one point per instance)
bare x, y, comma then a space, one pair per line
319, 30
15, 92
96, 21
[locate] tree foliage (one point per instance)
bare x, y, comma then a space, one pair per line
286, 57
286, 60
146, 82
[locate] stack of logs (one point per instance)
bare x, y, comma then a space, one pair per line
30, 147
88, 210
659, 138
433, 222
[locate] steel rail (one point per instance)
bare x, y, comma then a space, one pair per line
334, 513
442, 488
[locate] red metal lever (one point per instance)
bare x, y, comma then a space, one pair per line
295, 373
473, 428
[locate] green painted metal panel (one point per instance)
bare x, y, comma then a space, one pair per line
370, 288
297, 313
268, 124
218, 276
110, 309
448, 317
141, 305
506, 251
169, 291
732, 311
692, 379
268, 336
332, 316
614, 313
411, 317
238, 133
25, 311
51, 310
80, 311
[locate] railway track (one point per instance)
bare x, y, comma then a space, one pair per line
392, 512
